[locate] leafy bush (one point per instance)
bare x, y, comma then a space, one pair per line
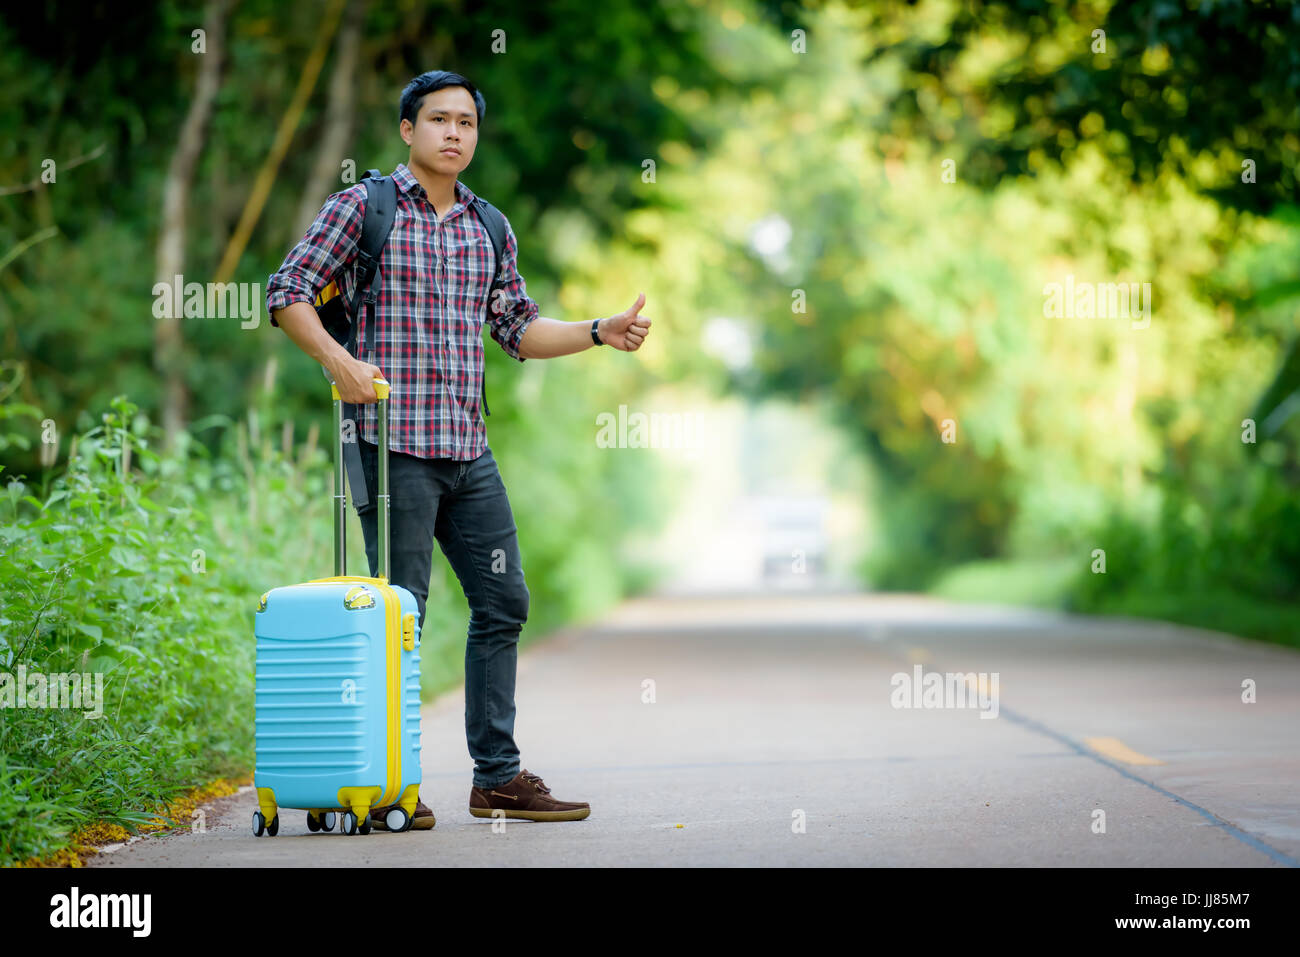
1221, 559
106, 571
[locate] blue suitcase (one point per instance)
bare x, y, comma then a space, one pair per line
337, 701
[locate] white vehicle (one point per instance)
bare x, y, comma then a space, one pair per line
793, 535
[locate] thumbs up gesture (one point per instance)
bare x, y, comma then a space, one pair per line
628, 329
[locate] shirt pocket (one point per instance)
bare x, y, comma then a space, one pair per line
470, 260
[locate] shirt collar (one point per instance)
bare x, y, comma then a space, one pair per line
407, 183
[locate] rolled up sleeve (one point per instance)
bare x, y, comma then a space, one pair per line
511, 311
330, 242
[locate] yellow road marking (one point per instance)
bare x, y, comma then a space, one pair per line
979, 683
1119, 751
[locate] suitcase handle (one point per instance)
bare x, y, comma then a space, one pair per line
382, 392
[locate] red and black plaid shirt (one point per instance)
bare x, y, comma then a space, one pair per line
430, 296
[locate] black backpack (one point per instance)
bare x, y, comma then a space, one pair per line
337, 316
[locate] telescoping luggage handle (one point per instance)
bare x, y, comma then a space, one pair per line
340, 496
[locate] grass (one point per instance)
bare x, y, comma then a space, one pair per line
178, 814
1039, 584
1228, 612
1050, 583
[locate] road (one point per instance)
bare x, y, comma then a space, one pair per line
772, 741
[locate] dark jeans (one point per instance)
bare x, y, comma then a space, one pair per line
464, 506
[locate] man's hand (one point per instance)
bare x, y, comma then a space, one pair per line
354, 380
352, 376
627, 330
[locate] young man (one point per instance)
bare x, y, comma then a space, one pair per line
431, 292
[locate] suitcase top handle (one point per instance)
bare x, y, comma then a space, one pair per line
382, 392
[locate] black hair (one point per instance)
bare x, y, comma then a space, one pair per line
435, 80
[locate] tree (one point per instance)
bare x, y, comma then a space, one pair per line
168, 339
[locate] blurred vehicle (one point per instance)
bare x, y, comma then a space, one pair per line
793, 536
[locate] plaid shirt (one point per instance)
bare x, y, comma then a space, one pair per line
430, 297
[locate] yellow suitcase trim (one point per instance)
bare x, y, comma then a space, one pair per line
359, 800
410, 797
266, 804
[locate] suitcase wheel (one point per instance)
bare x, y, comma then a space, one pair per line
321, 822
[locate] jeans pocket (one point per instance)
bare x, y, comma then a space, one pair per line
412, 488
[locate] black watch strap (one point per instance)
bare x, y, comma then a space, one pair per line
594, 337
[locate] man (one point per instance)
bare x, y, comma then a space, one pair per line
431, 292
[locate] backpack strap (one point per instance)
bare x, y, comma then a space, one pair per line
491, 217
381, 212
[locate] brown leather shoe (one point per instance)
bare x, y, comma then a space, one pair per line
421, 821
525, 797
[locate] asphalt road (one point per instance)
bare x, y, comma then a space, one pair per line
772, 740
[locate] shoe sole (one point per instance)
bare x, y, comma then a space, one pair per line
575, 815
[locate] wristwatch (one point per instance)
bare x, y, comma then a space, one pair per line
595, 338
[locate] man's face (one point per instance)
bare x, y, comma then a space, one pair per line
446, 121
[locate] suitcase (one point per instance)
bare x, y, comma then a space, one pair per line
337, 699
